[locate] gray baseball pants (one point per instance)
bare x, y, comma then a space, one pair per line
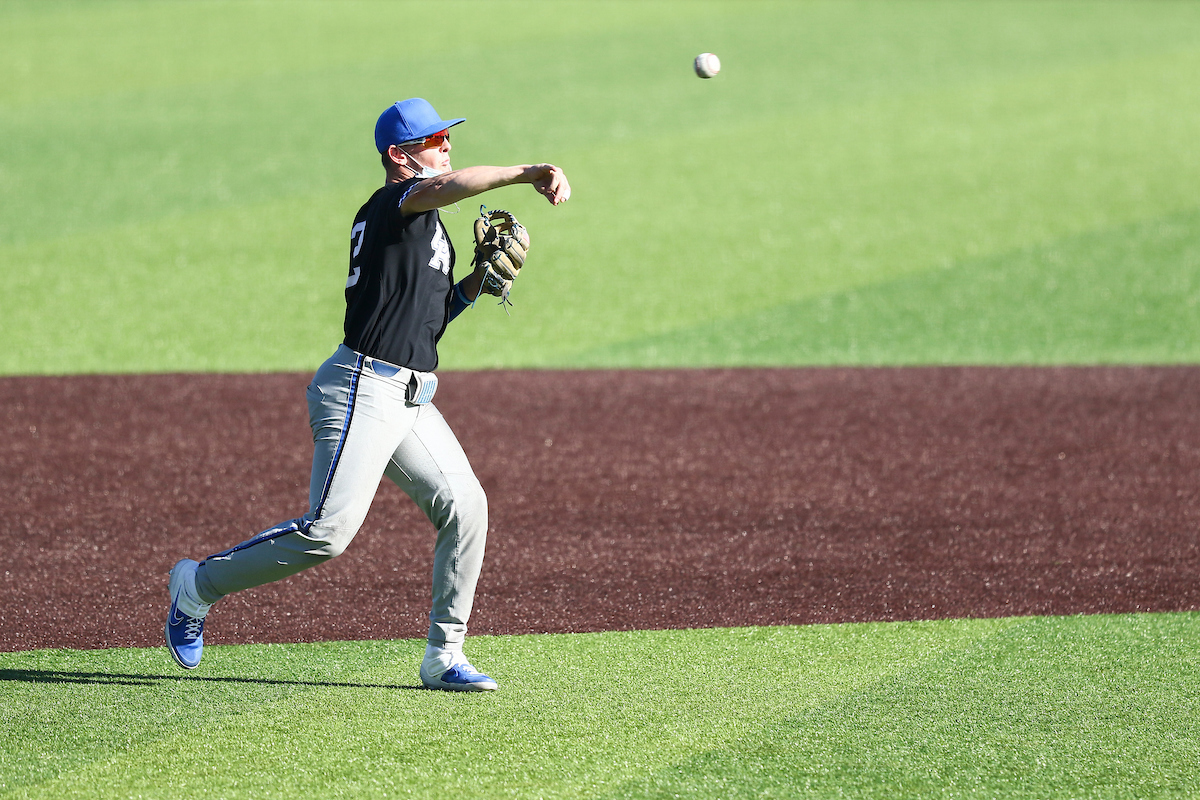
364, 427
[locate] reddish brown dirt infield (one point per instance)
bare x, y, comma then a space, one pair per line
622, 500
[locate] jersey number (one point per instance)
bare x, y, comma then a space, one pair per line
441, 251
439, 261
357, 233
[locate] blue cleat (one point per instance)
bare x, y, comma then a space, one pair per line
185, 620
461, 677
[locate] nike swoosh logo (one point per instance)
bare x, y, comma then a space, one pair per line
174, 619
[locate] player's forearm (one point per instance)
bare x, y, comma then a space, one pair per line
448, 189
465, 293
471, 285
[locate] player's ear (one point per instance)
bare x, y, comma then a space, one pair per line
396, 156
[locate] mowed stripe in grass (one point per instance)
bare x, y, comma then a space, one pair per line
1101, 706
179, 200
1128, 294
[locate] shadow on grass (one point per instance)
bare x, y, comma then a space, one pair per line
120, 679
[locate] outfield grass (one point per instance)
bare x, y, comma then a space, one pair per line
1099, 706
865, 182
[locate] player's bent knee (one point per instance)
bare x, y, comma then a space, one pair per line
470, 502
328, 551
463, 502
328, 542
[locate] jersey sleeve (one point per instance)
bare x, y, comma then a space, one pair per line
403, 189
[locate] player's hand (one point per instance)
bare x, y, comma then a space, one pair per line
551, 182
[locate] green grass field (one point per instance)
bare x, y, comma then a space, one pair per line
1101, 706
865, 183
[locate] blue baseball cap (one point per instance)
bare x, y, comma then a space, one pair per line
408, 121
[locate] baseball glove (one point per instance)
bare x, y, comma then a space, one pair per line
500, 246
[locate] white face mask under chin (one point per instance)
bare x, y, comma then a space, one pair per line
425, 172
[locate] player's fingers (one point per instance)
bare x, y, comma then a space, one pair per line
562, 189
557, 190
552, 183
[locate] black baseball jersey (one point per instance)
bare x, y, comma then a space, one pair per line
400, 283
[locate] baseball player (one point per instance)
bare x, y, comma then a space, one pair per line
370, 403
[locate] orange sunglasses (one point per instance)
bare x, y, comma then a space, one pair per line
433, 139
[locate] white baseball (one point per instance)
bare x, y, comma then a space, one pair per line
707, 65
